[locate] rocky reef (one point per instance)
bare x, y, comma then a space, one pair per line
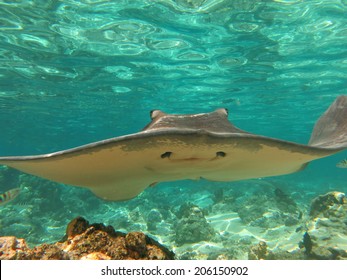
259, 252
84, 241
327, 204
192, 225
270, 209
326, 236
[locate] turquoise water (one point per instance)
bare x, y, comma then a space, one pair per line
75, 72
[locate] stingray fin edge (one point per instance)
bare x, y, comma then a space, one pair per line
330, 131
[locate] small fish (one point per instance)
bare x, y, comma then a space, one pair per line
342, 164
9, 196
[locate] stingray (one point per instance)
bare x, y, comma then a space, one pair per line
176, 147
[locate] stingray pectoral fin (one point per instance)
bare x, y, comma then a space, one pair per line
271, 158
118, 191
107, 170
330, 130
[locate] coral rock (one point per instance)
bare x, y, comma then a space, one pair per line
76, 226
327, 227
96, 256
324, 202
44, 252
269, 210
136, 244
258, 252
192, 226
88, 242
10, 247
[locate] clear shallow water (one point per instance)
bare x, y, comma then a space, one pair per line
74, 72
78, 71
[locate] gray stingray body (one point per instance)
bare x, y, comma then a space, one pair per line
176, 147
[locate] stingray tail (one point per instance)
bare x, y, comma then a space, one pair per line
330, 130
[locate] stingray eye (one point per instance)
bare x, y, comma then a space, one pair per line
221, 154
222, 111
154, 113
225, 111
166, 155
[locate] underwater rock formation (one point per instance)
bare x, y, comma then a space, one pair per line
314, 251
153, 218
259, 252
269, 210
323, 203
262, 252
88, 241
326, 238
192, 225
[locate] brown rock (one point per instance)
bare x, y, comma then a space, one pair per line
136, 244
88, 242
10, 247
324, 202
76, 226
260, 252
155, 253
45, 252
96, 256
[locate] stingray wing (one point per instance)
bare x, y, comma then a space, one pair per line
122, 167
